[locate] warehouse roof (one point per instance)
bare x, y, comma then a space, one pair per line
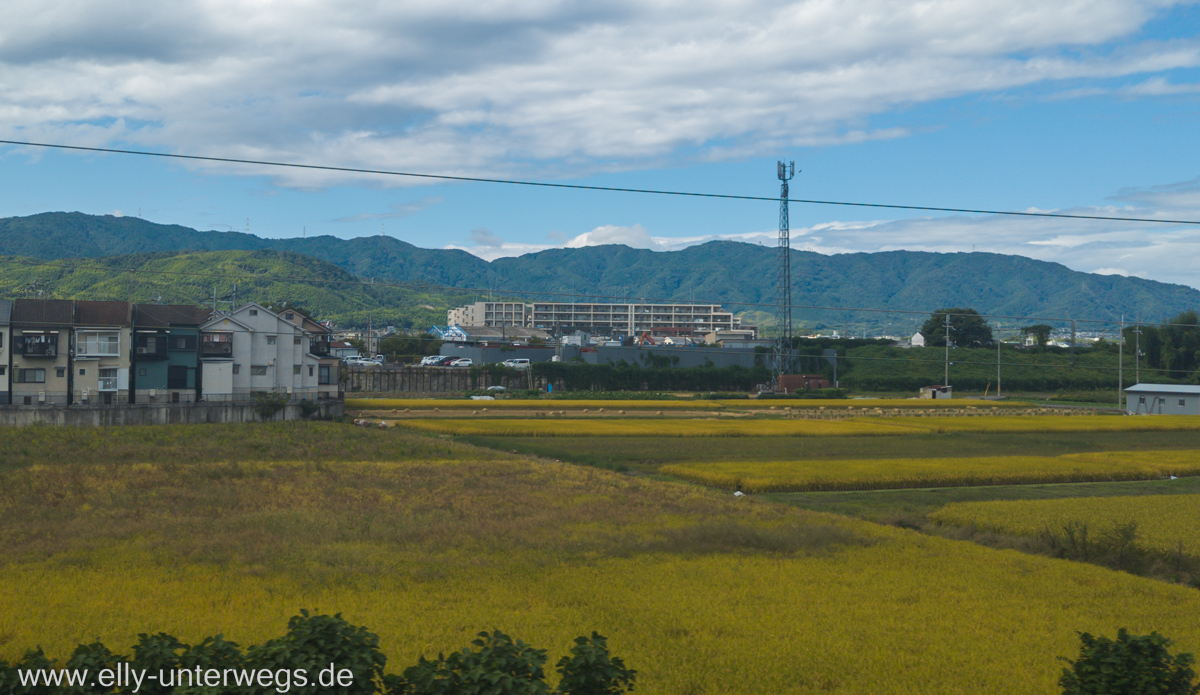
1164, 388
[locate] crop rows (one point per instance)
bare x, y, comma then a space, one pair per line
876, 474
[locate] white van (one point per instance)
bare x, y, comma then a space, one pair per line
518, 363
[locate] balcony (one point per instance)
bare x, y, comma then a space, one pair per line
217, 345
108, 383
37, 346
150, 348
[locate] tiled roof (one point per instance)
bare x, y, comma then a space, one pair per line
165, 315
102, 313
5, 311
32, 312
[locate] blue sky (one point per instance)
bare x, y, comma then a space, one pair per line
1084, 107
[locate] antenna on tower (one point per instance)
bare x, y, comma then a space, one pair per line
783, 278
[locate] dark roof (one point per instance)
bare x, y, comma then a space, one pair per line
165, 315
5, 311
43, 312
89, 313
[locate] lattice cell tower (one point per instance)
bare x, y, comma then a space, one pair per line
783, 277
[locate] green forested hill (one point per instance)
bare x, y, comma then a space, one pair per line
188, 278
735, 274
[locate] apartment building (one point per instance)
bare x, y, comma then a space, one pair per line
40, 358
561, 318
103, 334
5, 350
320, 345
253, 349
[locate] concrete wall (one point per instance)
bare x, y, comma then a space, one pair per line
433, 380
151, 414
688, 356
488, 355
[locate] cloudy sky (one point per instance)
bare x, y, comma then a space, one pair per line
1074, 106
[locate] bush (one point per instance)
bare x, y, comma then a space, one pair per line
1129, 665
268, 404
309, 408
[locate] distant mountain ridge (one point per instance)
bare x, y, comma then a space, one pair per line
732, 273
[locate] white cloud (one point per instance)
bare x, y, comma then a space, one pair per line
635, 236
515, 87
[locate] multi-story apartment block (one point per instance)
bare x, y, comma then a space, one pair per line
253, 349
40, 361
599, 319
103, 333
5, 350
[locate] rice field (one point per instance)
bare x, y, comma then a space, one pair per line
681, 404
792, 427
699, 591
1165, 523
877, 474
638, 427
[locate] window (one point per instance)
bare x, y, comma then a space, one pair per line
270, 340
60, 372
108, 379
1181, 402
296, 369
324, 376
258, 370
254, 312
237, 369
82, 372
31, 376
1141, 400
2, 370
182, 342
96, 344
296, 340
310, 370
289, 316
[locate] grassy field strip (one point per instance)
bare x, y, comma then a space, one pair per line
672, 404
657, 428
633, 427
1164, 522
879, 474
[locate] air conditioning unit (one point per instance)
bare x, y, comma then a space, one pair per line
142, 350
84, 396
41, 396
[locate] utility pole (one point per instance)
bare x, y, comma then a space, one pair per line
1137, 353
946, 382
783, 275
1121, 363
1072, 342
997, 360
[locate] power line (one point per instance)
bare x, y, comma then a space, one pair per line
581, 187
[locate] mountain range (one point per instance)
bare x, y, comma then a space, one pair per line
739, 275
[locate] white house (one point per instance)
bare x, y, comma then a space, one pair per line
253, 349
918, 340
5, 346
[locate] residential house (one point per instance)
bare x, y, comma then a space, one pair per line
165, 363
40, 361
103, 333
5, 350
266, 353
320, 341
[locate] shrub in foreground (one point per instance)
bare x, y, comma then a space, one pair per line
1128, 665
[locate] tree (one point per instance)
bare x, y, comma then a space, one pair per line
1128, 665
967, 329
1040, 333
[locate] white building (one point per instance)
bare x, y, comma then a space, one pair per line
1162, 399
917, 340
5, 346
253, 349
561, 318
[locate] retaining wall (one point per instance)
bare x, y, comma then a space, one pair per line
158, 414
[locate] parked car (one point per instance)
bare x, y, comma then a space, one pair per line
445, 361
496, 388
517, 363
462, 362
430, 360
361, 362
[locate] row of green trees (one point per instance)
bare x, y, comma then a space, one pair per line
323, 654
1173, 347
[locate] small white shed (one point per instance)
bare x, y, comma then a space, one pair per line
918, 340
1162, 399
